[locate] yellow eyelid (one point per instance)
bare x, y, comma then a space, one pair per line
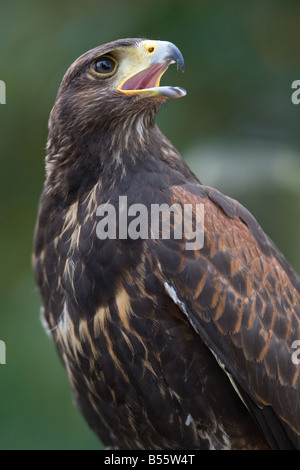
104, 74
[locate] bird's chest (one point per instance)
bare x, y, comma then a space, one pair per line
116, 358
137, 364
133, 361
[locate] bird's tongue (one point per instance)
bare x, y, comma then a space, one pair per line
147, 78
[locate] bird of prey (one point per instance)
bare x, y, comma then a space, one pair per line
167, 343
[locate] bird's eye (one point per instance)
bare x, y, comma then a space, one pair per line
104, 66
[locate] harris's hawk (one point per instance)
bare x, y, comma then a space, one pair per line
166, 345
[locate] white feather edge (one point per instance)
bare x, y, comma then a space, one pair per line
172, 293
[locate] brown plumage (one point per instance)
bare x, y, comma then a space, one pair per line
165, 347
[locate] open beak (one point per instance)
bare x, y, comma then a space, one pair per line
152, 58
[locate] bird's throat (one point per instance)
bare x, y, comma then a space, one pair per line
103, 153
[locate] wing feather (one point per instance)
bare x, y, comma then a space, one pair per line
243, 298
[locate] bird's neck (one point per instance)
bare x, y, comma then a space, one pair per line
130, 135
105, 152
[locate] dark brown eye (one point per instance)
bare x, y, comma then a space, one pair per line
104, 66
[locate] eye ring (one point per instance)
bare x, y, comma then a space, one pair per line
104, 66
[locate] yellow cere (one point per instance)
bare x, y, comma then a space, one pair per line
135, 60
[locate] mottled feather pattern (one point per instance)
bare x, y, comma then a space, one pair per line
243, 301
164, 347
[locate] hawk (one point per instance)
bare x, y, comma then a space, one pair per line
166, 345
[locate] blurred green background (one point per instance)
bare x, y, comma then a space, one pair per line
237, 128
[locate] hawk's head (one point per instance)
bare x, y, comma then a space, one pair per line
106, 105
118, 80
